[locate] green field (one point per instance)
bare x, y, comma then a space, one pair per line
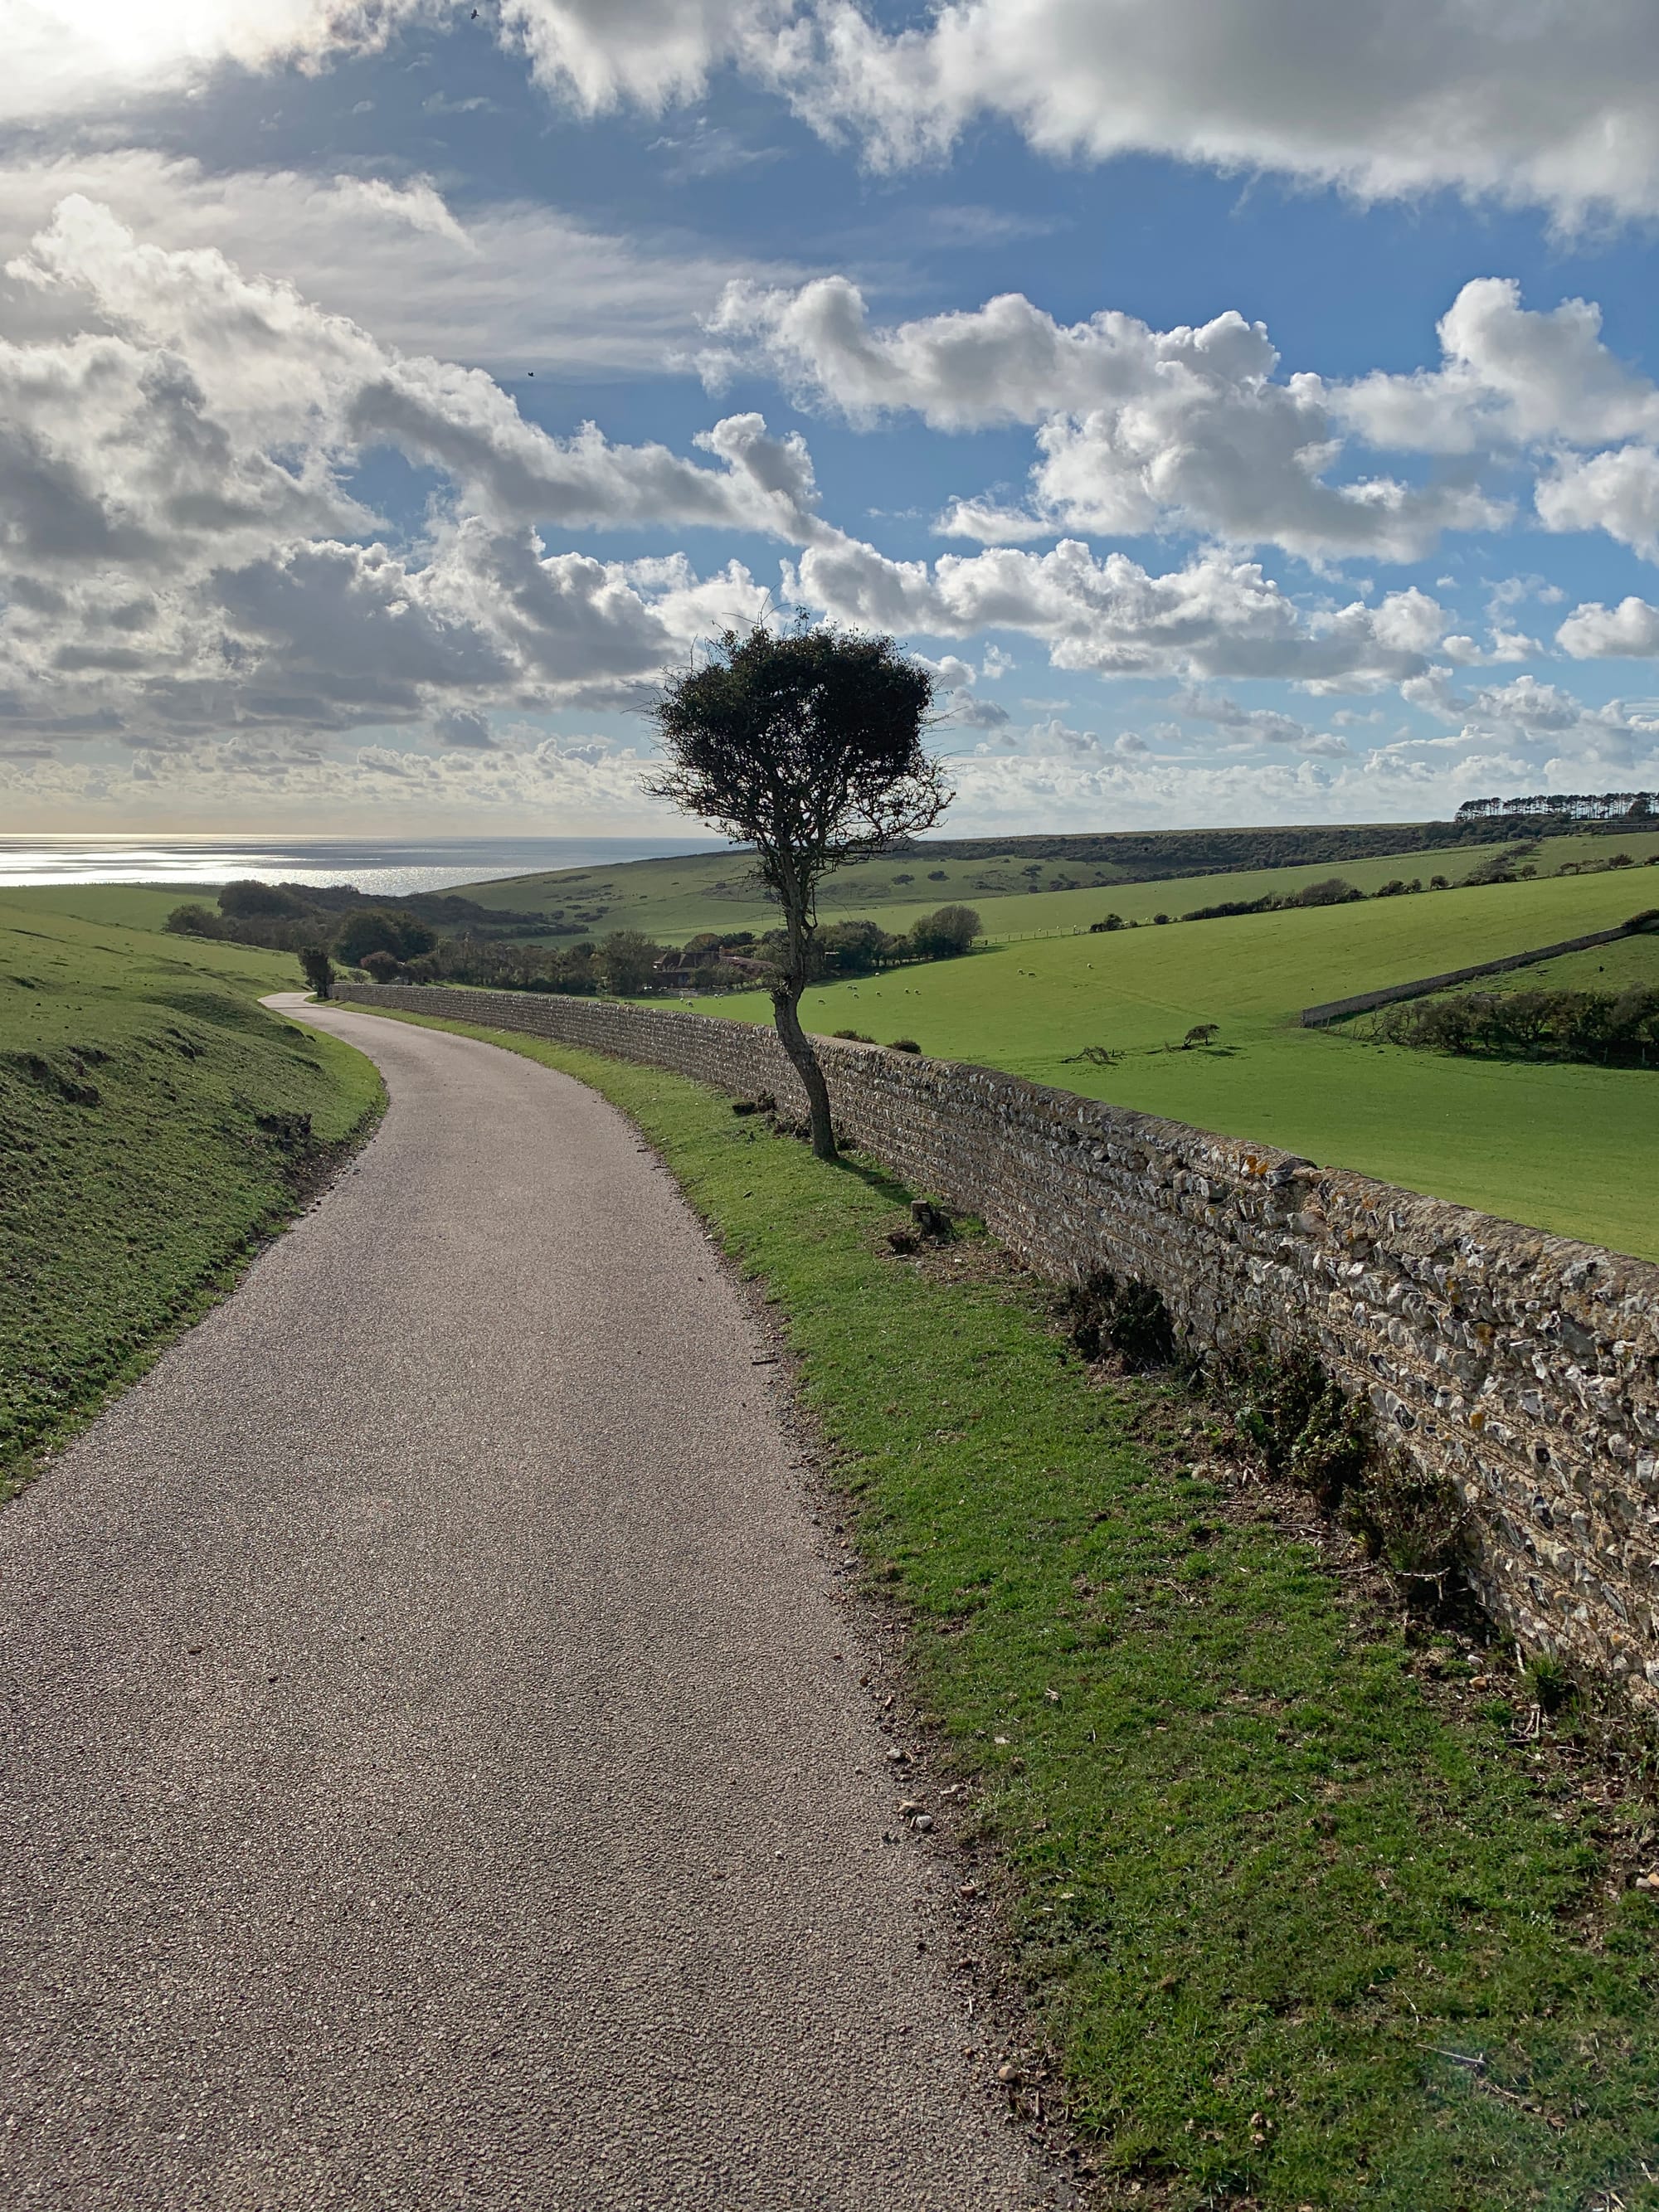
1567, 1148
151, 1131
671, 900
126, 906
1302, 1912
674, 899
1630, 964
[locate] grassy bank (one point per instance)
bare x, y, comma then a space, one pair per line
1306, 1919
154, 1121
1561, 1147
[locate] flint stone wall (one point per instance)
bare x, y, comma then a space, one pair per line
1523, 1367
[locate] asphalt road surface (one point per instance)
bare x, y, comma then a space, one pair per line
436, 1773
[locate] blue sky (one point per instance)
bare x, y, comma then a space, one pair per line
1251, 411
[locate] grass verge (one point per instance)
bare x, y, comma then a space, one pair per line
155, 1123
1302, 1928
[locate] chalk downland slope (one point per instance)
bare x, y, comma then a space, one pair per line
674, 899
154, 1120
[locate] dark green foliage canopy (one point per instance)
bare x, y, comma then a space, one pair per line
807, 746
193, 921
853, 948
247, 898
1609, 1029
317, 970
946, 932
375, 929
628, 957
285, 917
1329, 890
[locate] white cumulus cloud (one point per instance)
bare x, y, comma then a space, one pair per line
1616, 491
1595, 632
180, 547
1509, 375
1553, 107
1260, 724
1213, 616
1139, 430
519, 285
1554, 104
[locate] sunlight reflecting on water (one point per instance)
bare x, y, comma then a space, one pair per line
392, 866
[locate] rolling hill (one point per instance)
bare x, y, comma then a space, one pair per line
674, 899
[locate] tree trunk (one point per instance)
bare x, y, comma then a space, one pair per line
798, 1046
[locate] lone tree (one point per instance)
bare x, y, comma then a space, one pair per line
317, 970
946, 934
807, 747
628, 958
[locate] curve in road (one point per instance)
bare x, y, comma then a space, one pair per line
436, 1771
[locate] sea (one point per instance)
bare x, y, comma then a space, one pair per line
388, 866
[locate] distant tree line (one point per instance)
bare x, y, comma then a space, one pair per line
630, 965
622, 962
1634, 807
350, 923
1329, 890
1613, 1028
863, 948
1514, 864
1141, 855
433, 937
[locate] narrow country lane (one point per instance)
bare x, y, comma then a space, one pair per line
435, 1770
